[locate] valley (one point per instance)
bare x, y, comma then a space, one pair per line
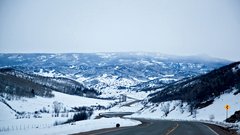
64, 92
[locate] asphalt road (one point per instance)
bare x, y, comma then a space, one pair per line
158, 127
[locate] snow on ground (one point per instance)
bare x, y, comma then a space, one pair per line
37, 103
157, 111
138, 95
112, 92
111, 80
29, 123
217, 108
31, 105
80, 78
81, 126
48, 74
236, 68
177, 110
52, 73
125, 108
6, 113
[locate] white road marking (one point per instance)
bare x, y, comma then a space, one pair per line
211, 130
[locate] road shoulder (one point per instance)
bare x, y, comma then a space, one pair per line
221, 130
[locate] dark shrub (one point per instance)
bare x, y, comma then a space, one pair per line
80, 116
83, 115
234, 118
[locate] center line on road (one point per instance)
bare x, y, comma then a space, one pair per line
172, 129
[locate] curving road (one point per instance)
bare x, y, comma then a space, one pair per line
160, 127
157, 127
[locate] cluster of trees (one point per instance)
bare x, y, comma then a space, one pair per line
16, 84
13, 87
60, 110
200, 91
66, 85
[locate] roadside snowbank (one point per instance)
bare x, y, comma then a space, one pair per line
81, 126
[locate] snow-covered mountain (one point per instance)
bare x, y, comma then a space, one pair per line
139, 71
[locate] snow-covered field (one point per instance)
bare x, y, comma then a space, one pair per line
37, 103
80, 126
111, 92
124, 107
32, 105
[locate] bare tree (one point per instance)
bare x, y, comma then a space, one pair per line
211, 117
57, 106
165, 108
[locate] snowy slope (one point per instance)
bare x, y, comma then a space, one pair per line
6, 113
178, 110
29, 107
37, 103
217, 108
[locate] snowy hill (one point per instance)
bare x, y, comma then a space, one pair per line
178, 110
199, 98
17, 83
202, 90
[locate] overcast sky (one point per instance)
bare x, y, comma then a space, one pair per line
178, 27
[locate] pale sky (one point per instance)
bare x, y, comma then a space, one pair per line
177, 27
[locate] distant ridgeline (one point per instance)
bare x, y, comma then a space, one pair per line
134, 71
15, 83
201, 91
